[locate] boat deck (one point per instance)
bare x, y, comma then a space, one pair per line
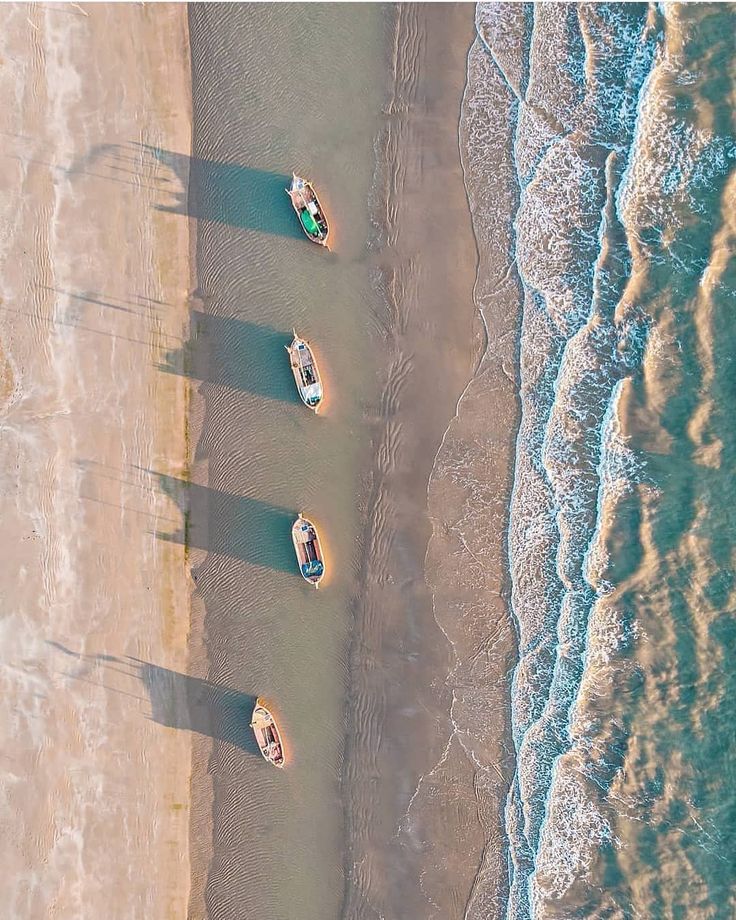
305, 536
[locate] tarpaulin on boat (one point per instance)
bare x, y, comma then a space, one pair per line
310, 224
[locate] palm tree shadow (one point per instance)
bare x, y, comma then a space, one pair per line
227, 193
193, 704
231, 525
234, 353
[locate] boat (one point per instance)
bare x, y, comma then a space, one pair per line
308, 550
308, 209
267, 734
306, 373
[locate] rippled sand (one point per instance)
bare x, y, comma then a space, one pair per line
278, 88
356, 671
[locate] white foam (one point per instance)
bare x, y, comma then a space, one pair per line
573, 834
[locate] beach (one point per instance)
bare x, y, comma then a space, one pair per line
95, 605
420, 851
148, 385
510, 696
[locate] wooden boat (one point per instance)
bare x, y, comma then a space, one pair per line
306, 373
267, 734
308, 209
308, 550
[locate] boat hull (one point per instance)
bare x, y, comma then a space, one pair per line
267, 734
308, 551
306, 373
308, 210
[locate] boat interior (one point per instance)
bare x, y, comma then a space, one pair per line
273, 743
268, 738
305, 361
307, 374
305, 200
307, 551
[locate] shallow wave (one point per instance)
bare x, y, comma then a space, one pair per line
578, 87
623, 148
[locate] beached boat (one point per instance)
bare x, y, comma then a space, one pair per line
308, 550
267, 734
305, 371
308, 209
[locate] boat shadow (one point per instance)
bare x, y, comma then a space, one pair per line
234, 353
238, 526
176, 700
197, 705
228, 193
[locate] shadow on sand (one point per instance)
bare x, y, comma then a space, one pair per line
176, 700
236, 354
252, 199
228, 193
231, 525
197, 705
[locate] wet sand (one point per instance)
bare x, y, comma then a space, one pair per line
409, 765
376, 814
462, 800
95, 607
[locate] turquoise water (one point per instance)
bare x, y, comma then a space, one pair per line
622, 527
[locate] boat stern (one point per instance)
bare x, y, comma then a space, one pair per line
312, 395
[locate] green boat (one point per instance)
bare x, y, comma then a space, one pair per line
309, 211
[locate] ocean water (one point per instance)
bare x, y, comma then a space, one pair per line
622, 523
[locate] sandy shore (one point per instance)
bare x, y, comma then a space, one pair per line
95, 606
418, 855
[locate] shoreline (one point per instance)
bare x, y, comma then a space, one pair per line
471, 489
470, 493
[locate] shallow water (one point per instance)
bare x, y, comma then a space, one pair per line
621, 531
276, 88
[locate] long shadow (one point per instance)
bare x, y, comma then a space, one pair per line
197, 705
229, 193
134, 306
234, 353
180, 701
231, 525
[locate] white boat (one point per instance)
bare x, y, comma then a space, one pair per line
306, 373
308, 550
309, 211
267, 734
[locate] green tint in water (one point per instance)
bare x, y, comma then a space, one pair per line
672, 543
279, 88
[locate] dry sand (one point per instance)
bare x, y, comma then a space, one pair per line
94, 606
